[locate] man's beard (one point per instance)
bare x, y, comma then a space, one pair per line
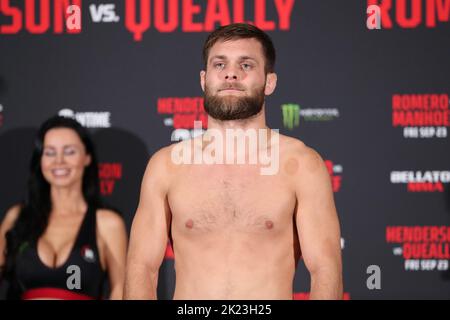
233, 107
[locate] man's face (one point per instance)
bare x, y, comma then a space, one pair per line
235, 80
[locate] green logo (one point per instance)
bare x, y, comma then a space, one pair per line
291, 115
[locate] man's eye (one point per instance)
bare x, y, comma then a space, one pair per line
246, 66
219, 65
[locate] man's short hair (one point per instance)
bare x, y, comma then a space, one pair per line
237, 31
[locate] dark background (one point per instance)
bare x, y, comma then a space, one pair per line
327, 59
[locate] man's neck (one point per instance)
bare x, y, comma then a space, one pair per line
252, 134
256, 122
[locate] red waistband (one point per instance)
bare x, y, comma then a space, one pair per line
54, 293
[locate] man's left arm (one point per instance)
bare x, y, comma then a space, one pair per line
318, 226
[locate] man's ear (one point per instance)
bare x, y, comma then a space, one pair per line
202, 79
271, 83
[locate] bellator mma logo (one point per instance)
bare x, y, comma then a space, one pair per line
421, 115
407, 14
141, 15
424, 248
422, 181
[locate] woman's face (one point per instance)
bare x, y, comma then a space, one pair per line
64, 158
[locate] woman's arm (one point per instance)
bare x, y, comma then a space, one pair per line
7, 223
113, 233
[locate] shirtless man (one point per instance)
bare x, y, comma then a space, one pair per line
236, 233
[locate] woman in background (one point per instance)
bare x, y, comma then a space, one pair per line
60, 243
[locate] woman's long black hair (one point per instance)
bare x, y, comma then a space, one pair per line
34, 215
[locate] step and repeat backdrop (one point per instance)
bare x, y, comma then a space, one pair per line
365, 83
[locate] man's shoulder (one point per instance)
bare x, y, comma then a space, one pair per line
294, 150
161, 158
163, 163
294, 147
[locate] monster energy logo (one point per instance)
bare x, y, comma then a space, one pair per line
291, 115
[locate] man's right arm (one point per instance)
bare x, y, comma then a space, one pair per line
149, 231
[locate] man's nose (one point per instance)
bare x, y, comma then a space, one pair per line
232, 74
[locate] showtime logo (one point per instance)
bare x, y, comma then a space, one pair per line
184, 112
408, 14
421, 181
421, 115
423, 248
109, 174
140, 15
335, 171
89, 119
